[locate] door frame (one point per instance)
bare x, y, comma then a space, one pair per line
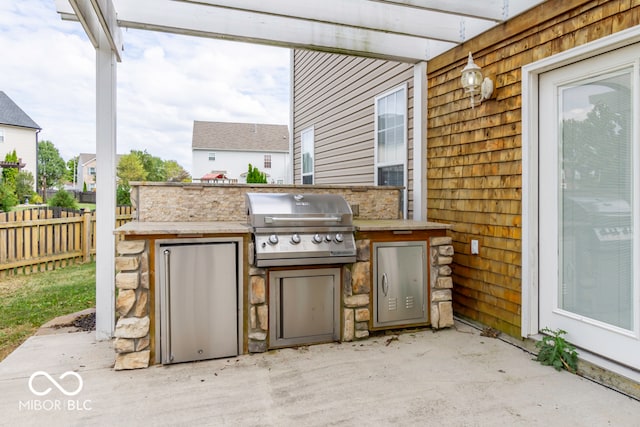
530, 157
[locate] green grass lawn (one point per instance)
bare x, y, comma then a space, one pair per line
27, 302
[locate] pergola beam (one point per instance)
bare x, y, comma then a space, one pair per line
95, 16
239, 25
98, 18
388, 18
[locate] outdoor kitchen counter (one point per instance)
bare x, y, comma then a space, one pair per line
136, 228
398, 225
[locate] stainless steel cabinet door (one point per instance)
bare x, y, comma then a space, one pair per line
200, 301
400, 283
304, 306
307, 306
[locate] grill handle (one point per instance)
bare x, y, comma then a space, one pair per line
271, 219
385, 284
167, 308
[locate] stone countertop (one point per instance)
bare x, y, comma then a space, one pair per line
398, 225
135, 228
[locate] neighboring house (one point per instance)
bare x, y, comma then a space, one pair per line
539, 182
352, 121
86, 171
20, 133
230, 148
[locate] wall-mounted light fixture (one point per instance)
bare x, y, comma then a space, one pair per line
473, 84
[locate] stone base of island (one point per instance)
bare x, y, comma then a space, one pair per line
139, 309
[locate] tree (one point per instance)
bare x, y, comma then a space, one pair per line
7, 198
72, 169
63, 199
154, 166
123, 195
24, 186
51, 166
9, 174
254, 176
130, 168
176, 173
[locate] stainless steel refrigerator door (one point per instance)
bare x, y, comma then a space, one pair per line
200, 318
400, 283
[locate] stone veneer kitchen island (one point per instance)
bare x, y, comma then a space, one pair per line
189, 215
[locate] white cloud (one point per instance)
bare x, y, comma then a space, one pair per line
165, 82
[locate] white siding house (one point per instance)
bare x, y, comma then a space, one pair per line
86, 171
20, 133
228, 149
353, 122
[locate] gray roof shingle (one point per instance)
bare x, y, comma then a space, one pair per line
11, 114
240, 136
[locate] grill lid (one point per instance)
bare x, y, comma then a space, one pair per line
268, 210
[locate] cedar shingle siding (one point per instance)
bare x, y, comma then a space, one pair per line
336, 95
474, 155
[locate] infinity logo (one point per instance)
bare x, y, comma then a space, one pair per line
55, 383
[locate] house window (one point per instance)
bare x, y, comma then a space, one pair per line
1, 135
92, 171
391, 140
306, 137
212, 157
267, 161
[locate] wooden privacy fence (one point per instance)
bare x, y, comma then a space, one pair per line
47, 238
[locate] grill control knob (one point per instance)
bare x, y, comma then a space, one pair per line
273, 239
317, 238
339, 237
328, 238
295, 239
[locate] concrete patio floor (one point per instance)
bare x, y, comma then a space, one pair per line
453, 377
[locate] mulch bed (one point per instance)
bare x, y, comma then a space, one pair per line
85, 322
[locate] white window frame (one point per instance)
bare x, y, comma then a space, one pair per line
212, 156
1, 136
268, 160
308, 131
404, 162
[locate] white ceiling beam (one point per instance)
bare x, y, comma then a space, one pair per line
82, 11
107, 16
369, 15
402, 30
202, 20
491, 10
94, 16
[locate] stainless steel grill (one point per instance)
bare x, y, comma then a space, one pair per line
300, 229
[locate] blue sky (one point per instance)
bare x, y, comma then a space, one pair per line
165, 82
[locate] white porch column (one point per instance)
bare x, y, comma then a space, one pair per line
420, 141
105, 187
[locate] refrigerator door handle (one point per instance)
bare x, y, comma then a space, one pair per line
385, 284
167, 308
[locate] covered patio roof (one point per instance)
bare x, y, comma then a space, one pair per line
403, 30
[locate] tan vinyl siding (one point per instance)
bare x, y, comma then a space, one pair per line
336, 95
474, 156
